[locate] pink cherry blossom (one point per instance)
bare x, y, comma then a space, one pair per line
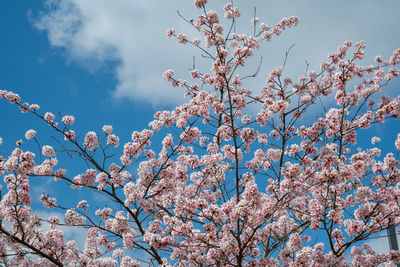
168, 75
182, 38
30, 134
68, 119
91, 140
170, 32
48, 151
375, 140
49, 116
397, 143
200, 3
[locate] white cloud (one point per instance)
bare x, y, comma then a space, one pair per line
124, 31
131, 33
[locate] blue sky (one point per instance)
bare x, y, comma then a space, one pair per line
102, 60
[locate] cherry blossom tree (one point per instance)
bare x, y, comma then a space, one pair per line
241, 177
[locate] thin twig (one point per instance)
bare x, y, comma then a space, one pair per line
256, 72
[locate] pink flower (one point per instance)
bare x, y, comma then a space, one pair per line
397, 143
82, 205
182, 38
48, 116
212, 17
274, 154
68, 119
113, 140
194, 73
378, 59
107, 129
91, 140
228, 6
191, 135
72, 218
54, 221
168, 75
196, 41
30, 134
295, 242
375, 140
86, 179
128, 239
199, 3
118, 253
254, 21
170, 32
69, 135
12, 97
129, 262
48, 151
34, 107
48, 202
